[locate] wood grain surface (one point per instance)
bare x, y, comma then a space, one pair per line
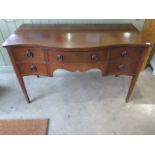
24, 127
76, 36
115, 49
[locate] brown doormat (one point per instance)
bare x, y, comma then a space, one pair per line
24, 127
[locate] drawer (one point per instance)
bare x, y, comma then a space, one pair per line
126, 53
32, 69
77, 56
28, 54
124, 68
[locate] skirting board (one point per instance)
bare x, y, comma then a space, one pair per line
6, 69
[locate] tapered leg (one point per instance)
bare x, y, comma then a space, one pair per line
132, 84
22, 85
19, 76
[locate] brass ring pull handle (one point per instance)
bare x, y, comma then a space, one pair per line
33, 68
94, 57
121, 67
60, 58
29, 53
124, 54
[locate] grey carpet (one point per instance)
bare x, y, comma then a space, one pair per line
82, 103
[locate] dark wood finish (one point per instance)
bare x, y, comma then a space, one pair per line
92, 56
77, 67
28, 55
149, 34
32, 69
126, 54
76, 36
19, 76
122, 68
116, 49
135, 77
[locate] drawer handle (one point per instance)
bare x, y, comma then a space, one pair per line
33, 68
60, 58
29, 53
124, 54
121, 67
94, 57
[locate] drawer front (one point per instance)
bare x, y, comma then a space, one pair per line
126, 53
29, 55
124, 68
32, 69
77, 57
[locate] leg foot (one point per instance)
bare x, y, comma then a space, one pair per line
28, 101
25, 94
127, 100
132, 84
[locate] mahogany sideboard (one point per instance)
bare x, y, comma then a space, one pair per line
39, 49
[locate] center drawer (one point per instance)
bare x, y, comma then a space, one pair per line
77, 56
22, 54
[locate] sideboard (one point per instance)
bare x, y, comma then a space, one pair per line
40, 49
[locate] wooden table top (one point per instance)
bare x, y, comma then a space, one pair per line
76, 36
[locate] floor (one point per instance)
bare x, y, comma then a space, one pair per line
82, 103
